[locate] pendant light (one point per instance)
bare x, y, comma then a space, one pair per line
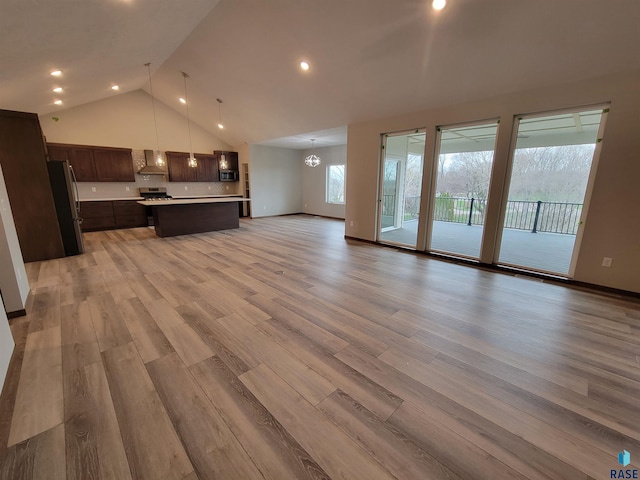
157, 154
312, 160
193, 163
220, 125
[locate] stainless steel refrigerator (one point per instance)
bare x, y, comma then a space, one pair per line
65, 195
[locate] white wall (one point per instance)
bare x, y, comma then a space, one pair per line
13, 277
314, 181
126, 121
611, 228
275, 174
6, 345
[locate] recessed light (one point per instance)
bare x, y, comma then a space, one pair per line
58, 102
438, 4
56, 73
115, 87
220, 126
305, 65
58, 89
182, 100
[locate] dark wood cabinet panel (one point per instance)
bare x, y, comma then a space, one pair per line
179, 169
207, 170
97, 215
106, 215
128, 207
81, 159
95, 164
113, 165
58, 152
226, 160
24, 165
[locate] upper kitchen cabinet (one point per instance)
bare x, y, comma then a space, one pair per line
180, 171
207, 169
226, 160
80, 158
95, 164
113, 165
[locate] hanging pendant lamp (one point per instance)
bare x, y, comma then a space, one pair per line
220, 125
192, 162
157, 154
312, 160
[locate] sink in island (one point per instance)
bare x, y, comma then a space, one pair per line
194, 215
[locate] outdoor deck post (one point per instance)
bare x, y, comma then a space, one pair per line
535, 221
470, 211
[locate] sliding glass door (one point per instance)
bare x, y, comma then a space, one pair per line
465, 161
400, 185
550, 171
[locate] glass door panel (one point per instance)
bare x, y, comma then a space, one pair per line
550, 170
465, 161
401, 182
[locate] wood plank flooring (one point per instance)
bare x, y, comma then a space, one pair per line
280, 350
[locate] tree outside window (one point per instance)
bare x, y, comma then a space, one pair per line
335, 183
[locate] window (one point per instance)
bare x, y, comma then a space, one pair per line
335, 183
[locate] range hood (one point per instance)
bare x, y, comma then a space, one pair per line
150, 167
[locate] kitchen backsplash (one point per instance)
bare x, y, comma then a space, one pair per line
94, 190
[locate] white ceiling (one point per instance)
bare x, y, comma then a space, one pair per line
369, 58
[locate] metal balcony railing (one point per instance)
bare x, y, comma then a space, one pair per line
550, 217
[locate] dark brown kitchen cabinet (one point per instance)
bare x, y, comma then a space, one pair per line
110, 214
24, 166
80, 158
207, 170
97, 215
129, 213
95, 164
226, 160
113, 165
180, 171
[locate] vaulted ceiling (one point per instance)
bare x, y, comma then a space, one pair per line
369, 58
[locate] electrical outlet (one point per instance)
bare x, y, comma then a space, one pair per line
305, 205
209, 187
606, 261
227, 187
186, 188
93, 189
126, 189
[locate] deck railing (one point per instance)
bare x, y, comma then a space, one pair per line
551, 217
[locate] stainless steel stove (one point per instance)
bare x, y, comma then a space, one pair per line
155, 194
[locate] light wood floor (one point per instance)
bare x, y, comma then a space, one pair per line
282, 351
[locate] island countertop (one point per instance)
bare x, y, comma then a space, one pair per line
189, 201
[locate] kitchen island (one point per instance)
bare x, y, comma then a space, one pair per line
194, 215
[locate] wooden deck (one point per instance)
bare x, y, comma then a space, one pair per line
280, 351
549, 252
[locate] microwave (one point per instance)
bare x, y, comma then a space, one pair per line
228, 175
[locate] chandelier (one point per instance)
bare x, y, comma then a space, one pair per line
312, 160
